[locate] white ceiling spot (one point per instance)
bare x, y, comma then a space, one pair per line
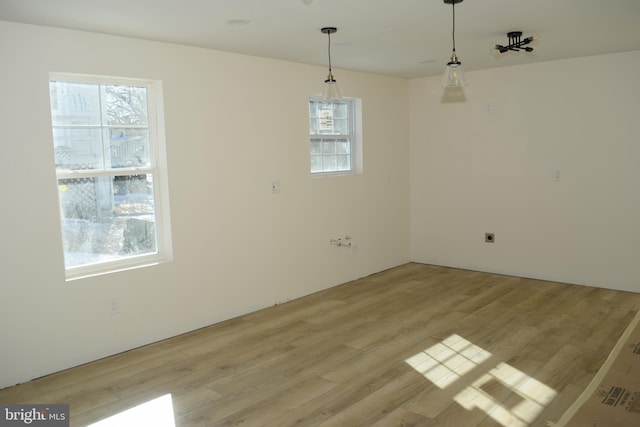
239, 22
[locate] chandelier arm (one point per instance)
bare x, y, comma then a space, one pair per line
516, 43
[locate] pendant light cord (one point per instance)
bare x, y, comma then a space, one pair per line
329, 50
453, 32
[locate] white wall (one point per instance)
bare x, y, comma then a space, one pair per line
489, 164
233, 123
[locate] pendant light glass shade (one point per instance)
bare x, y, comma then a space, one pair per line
331, 90
453, 75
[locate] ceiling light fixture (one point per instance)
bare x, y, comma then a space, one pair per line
516, 43
330, 86
453, 76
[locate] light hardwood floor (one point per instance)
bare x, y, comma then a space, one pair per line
416, 345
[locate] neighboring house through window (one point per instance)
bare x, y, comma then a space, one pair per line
111, 173
335, 142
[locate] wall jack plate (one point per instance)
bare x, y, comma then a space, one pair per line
114, 306
489, 238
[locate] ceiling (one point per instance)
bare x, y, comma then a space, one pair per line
401, 38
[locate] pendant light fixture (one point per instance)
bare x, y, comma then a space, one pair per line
453, 76
331, 90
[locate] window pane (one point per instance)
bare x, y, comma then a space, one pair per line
125, 105
77, 148
74, 103
343, 162
340, 110
329, 164
316, 146
343, 146
341, 127
316, 163
313, 125
313, 108
107, 218
325, 105
129, 147
329, 117
328, 147
325, 121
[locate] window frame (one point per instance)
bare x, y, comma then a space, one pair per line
354, 136
157, 168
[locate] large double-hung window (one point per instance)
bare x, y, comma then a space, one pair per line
110, 171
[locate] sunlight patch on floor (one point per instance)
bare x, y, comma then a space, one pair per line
506, 394
528, 399
447, 361
157, 412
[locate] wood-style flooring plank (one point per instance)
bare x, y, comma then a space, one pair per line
416, 345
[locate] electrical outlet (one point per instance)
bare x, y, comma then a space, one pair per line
489, 238
114, 306
275, 186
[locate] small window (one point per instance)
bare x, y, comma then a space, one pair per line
332, 130
110, 172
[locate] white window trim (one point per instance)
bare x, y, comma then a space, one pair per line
158, 167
